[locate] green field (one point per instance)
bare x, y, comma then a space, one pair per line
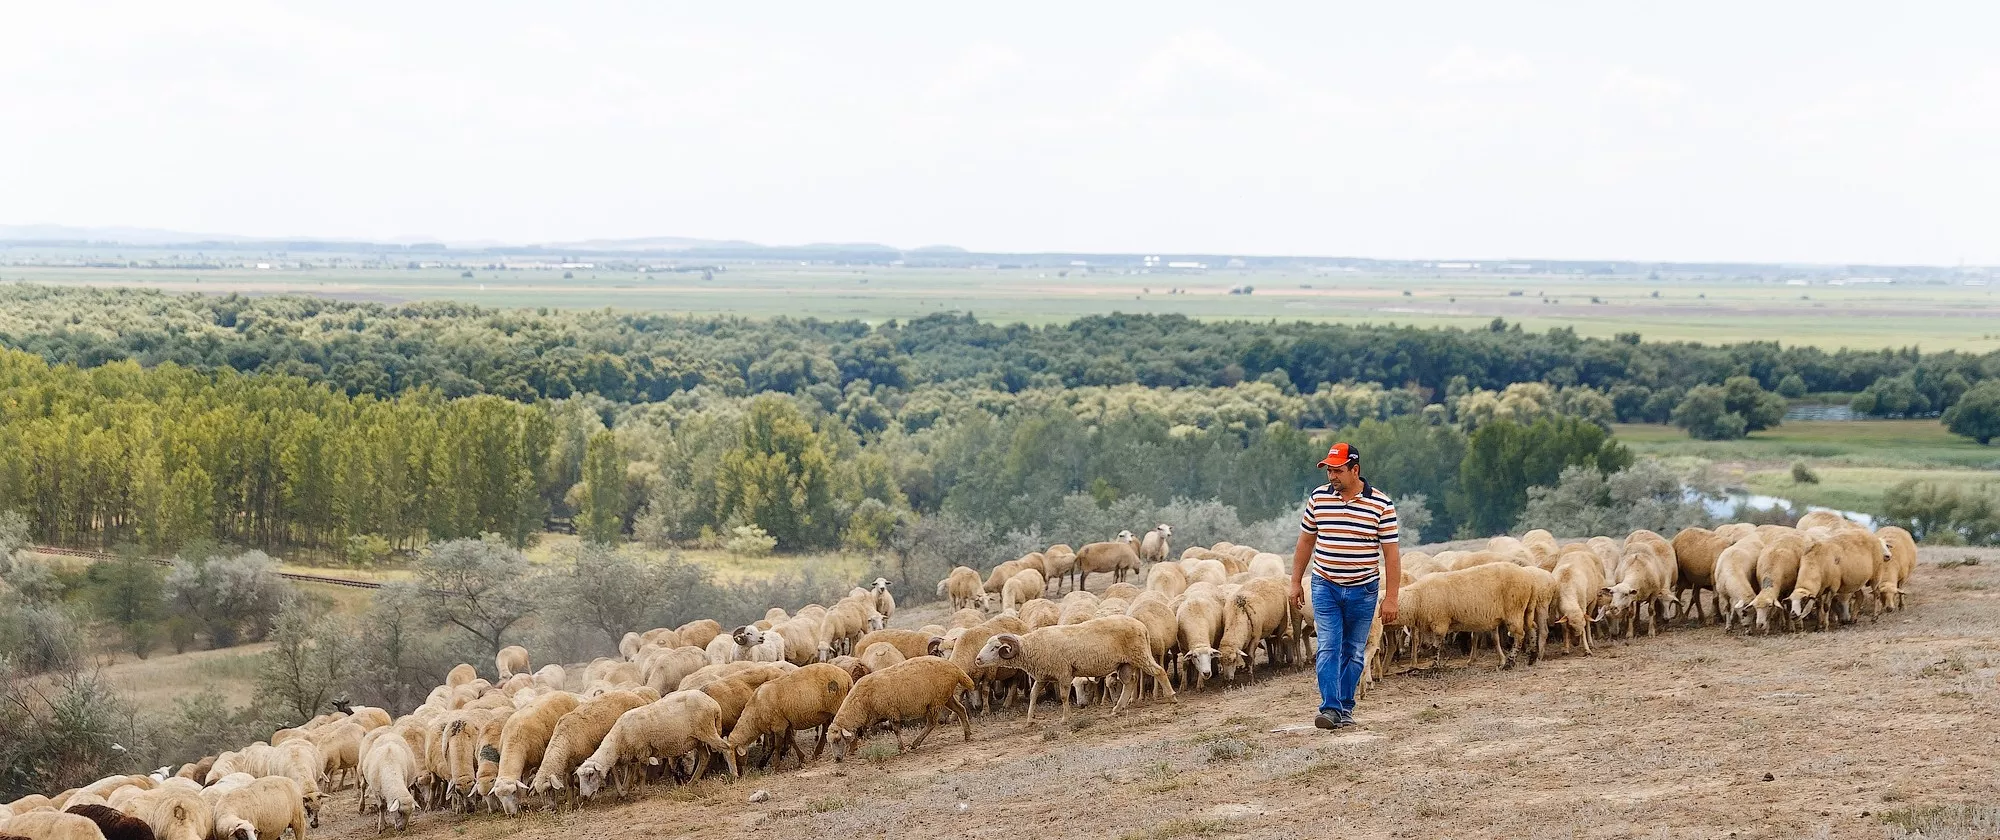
1871, 316
1855, 460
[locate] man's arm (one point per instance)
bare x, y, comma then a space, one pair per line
1301, 556
1392, 580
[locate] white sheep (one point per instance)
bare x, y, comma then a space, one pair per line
511, 660
1735, 578
1266, 564
1166, 579
885, 602
52, 825
1199, 617
174, 813
1057, 655
1900, 561
1026, 585
262, 808
665, 729
962, 586
1153, 547
1487, 598
1579, 580
387, 769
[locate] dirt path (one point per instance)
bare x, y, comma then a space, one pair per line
1853, 733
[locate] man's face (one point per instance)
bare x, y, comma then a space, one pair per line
1340, 473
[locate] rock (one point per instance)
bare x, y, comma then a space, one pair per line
761, 795
1770, 778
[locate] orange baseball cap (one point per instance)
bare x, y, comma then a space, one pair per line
1341, 454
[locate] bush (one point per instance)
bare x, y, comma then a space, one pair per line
232, 596
1976, 414
1943, 514
35, 637
1802, 474
1585, 502
750, 541
60, 733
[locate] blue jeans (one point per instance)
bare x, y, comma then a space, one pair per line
1341, 618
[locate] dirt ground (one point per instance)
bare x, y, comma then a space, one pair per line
1864, 732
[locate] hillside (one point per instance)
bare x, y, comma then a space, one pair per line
1858, 733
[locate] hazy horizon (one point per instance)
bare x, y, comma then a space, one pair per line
1773, 134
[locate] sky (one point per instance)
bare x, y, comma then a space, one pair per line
1770, 132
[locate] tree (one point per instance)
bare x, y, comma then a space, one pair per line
779, 477
1759, 408
601, 518
1977, 413
1705, 414
613, 592
1792, 386
129, 593
481, 586
396, 662
1585, 501
1505, 458
229, 595
311, 657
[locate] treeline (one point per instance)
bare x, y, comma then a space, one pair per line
460, 350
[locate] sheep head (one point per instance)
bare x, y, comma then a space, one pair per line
1622, 597
1004, 647
508, 791
843, 740
747, 636
589, 778
1203, 658
236, 828
881, 584
935, 646
1164, 529
312, 803
1227, 661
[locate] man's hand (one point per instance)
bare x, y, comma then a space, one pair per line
1298, 594
1389, 610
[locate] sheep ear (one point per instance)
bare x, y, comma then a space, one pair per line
1606, 590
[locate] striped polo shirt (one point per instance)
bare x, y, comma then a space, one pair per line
1349, 534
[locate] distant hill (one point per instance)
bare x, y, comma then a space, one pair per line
124, 235
652, 243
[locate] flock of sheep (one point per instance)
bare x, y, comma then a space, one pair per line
678, 697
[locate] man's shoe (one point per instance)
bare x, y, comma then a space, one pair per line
1343, 719
1326, 721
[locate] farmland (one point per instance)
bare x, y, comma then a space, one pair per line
1935, 316
1855, 461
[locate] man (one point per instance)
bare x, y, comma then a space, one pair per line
1348, 537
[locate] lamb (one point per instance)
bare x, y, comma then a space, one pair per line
665, 729
1199, 621
912, 643
1026, 585
523, 742
263, 808
663, 670
578, 734
881, 655
1777, 572
388, 768
1900, 561
1647, 573
803, 699
53, 825
1260, 611
917, 688
173, 814
1488, 598
512, 659
962, 586
698, 632
885, 602
1057, 655
1579, 579
1153, 547
1735, 579
113, 823
1116, 557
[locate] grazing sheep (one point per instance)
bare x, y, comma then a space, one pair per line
663, 670
1058, 562
1260, 611
301, 761
1199, 619
1696, 551
1207, 570
263, 808
803, 699
1162, 629
388, 768
577, 736
1821, 519
1462, 560
881, 655
912, 643
1542, 546
844, 623
1608, 551
1055, 656
1488, 598
196, 770
1040, 613
1166, 579
1153, 547
1026, 585
1116, 557
1900, 561
461, 755
1416, 564
698, 632
1579, 579
1736, 580
970, 617
173, 814
917, 688
1122, 591
962, 586
665, 729
1512, 549
460, 675
53, 825
1266, 564
1777, 572
1077, 607
512, 659
1647, 572
726, 670
1860, 562
113, 823
523, 742
1000, 575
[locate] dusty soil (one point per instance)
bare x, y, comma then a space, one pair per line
1861, 732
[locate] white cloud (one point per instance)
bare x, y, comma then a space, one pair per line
976, 68
1466, 65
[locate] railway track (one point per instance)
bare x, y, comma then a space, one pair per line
99, 555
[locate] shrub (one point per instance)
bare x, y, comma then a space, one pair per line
1802, 474
750, 541
232, 596
1585, 502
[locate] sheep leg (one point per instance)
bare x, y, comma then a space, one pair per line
1034, 688
701, 759
964, 718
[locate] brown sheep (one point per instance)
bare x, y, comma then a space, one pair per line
1488, 598
918, 688
577, 735
962, 586
803, 699
1116, 557
512, 659
665, 729
523, 742
912, 643
1777, 573
1056, 656
1900, 550
1695, 551
1647, 573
